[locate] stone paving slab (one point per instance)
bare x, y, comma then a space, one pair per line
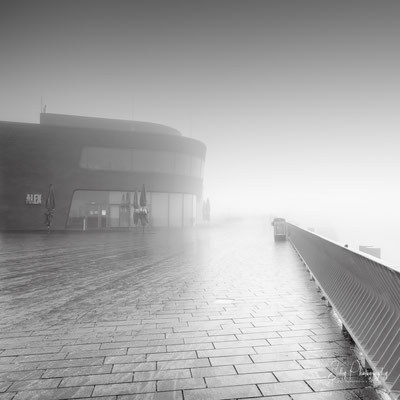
220, 312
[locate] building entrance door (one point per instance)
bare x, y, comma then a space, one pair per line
103, 217
96, 216
92, 216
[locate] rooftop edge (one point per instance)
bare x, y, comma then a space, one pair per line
76, 121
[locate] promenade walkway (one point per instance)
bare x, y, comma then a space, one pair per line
220, 312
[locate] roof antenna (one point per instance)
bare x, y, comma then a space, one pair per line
42, 108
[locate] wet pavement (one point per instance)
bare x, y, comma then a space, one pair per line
218, 312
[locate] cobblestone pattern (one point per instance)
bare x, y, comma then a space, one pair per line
221, 312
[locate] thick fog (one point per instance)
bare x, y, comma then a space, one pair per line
297, 101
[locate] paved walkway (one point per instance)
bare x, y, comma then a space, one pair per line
221, 312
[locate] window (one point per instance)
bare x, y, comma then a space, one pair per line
189, 209
102, 158
183, 164
112, 159
196, 167
175, 209
159, 209
104, 209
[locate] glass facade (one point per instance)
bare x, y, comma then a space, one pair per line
159, 210
104, 209
112, 159
175, 209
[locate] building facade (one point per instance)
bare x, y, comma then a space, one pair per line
95, 165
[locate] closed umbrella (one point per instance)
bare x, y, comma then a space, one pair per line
135, 208
123, 211
50, 207
51, 200
128, 207
143, 210
135, 200
143, 200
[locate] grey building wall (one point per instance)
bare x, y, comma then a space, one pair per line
32, 156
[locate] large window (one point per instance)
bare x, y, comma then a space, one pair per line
103, 209
183, 164
112, 159
175, 209
159, 209
189, 210
106, 159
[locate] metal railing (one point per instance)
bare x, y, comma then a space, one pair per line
365, 294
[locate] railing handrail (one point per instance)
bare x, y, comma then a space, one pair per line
378, 260
364, 292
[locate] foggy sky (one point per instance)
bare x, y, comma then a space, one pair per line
297, 101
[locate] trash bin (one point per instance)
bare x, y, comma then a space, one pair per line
279, 225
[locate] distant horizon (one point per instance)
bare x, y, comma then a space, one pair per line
324, 228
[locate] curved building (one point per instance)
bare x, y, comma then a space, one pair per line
94, 166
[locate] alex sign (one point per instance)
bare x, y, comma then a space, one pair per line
35, 198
